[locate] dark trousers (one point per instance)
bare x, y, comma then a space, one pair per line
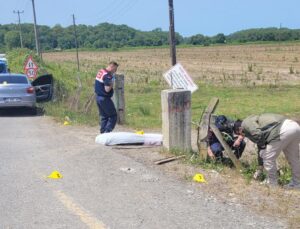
108, 114
217, 149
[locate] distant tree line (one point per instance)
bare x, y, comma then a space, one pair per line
107, 35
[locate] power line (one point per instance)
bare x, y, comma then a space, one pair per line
123, 11
19, 21
120, 6
105, 13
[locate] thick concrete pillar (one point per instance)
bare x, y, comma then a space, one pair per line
176, 119
119, 98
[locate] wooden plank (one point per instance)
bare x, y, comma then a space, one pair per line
204, 123
119, 98
204, 126
169, 159
228, 150
133, 147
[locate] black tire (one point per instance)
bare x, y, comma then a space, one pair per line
34, 111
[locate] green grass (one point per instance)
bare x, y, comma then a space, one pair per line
143, 108
237, 102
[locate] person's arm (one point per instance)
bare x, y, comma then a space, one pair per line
238, 141
108, 83
107, 88
259, 158
210, 153
210, 135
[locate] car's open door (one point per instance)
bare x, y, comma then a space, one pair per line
43, 87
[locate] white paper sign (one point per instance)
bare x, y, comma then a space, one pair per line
178, 78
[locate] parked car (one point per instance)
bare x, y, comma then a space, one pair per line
3, 67
17, 91
3, 63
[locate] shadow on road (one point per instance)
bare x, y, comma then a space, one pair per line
21, 112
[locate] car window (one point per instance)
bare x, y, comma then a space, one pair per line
2, 68
13, 80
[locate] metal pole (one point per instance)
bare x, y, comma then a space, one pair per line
35, 31
20, 29
76, 42
172, 33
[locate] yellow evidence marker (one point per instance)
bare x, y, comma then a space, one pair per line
140, 132
67, 121
199, 178
55, 175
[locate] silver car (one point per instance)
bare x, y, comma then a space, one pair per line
17, 91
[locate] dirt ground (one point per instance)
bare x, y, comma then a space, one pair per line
227, 185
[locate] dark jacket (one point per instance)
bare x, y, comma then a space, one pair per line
103, 78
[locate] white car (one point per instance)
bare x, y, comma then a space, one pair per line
17, 91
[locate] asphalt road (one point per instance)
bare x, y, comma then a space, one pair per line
97, 190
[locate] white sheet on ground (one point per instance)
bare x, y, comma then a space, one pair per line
118, 138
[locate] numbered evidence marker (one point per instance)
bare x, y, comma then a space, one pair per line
30, 68
199, 178
178, 78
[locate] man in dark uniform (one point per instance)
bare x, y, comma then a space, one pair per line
236, 143
104, 91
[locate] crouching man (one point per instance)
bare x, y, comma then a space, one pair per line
236, 143
274, 133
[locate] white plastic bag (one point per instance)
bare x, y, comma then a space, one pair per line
119, 138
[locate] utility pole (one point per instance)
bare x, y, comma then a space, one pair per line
19, 21
36, 31
172, 33
76, 42
79, 89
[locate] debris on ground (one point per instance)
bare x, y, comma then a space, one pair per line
169, 159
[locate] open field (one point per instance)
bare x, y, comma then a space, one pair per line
236, 64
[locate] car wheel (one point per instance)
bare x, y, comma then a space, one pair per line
34, 111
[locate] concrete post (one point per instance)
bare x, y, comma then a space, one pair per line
176, 119
119, 98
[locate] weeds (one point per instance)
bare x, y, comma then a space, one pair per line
250, 67
144, 110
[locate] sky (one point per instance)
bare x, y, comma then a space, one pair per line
208, 17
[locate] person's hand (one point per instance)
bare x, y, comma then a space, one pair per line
238, 141
210, 153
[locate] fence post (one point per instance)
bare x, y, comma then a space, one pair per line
119, 98
204, 126
176, 119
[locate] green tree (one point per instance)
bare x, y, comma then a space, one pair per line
12, 39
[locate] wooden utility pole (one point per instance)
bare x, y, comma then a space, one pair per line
36, 33
172, 40
19, 21
76, 42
